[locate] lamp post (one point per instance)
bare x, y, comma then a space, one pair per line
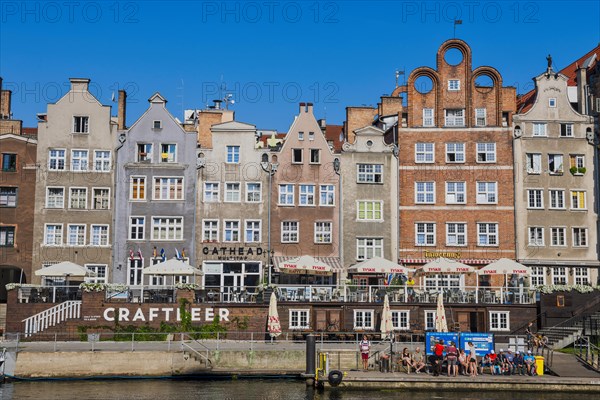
270, 168
336, 169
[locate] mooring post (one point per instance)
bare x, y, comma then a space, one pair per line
311, 349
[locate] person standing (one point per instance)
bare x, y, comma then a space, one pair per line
365, 348
452, 357
529, 333
472, 359
438, 352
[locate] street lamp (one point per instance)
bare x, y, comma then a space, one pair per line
270, 168
336, 169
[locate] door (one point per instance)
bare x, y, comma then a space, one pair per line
232, 285
464, 321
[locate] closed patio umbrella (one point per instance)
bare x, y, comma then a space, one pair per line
273, 324
441, 325
387, 326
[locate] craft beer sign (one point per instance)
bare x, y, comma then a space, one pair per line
122, 314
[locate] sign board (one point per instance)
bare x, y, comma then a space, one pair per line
431, 339
484, 342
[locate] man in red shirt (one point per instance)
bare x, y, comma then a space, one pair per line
438, 352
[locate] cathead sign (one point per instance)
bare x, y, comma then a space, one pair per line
166, 314
484, 342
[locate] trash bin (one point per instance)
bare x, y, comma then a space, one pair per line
539, 365
384, 365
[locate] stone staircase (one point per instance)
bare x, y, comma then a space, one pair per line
562, 336
199, 358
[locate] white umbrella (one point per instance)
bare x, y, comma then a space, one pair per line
441, 324
65, 268
379, 265
504, 266
171, 267
273, 325
305, 265
387, 326
446, 266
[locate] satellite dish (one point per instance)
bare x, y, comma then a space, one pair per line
232, 101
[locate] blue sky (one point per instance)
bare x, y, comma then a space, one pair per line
271, 54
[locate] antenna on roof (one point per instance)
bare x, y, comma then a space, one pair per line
398, 73
456, 22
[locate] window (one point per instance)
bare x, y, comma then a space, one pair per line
424, 192
76, 235
363, 319
99, 277
552, 102
307, 195
430, 316
424, 152
9, 162
535, 198
79, 160
99, 235
580, 237
167, 228
315, 156
455, 192
211, 192
134, 270
144, 152
233, 154
558, 236
8, 196
137, 188
400, 320
486, 152
57, 159
455, 152
557, 199
578, 200
156, 124
323, 232
487, 234
137, 225
7, 236
367, 248
534, 163
566, 130
233, 192
210, 230
168, 188
102, 161
369, 211
582, 276
101, 198
168, 153
425, 234
370, 173
81, 124
253, 192
538, 276
555, 163
286, 195
289, 232
455, 117
577, 164
453, 84
311, 136
536, 236
456, 234
78, 198
299, 319
480, 117
486, 193
300, 135
231, 231
53, 235
539, 129
327, 197
559, 276
499, 321
55, 197
428, 119
297, 156
252, 231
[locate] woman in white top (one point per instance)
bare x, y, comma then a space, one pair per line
472, 359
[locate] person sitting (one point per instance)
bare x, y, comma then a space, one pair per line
463, 362
406, 360
509, 363
519, 364
418, 361
438, 352
499, 363
529, 361
488, 360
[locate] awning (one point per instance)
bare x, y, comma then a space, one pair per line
334, 262
504, 266
378, 265
445, 266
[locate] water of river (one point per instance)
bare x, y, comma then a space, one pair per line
154, 389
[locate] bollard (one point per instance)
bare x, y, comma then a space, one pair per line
311, 347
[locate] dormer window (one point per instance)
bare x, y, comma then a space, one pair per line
81, 124
453, 84
157, 124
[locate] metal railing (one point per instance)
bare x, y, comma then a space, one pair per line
587, 352
184, 345
52, 316
48, 294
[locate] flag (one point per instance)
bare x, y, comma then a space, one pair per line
113, 96
458, 22
183, 253
163, 255
130, 254
139, 253
154, 253
177, 255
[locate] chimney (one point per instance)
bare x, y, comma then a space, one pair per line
309, 108
581, 85
122, 110
79, 84
217, 104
